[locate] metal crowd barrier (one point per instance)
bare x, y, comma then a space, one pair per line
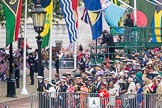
90, 100
67, 63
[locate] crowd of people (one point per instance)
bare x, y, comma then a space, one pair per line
140, 73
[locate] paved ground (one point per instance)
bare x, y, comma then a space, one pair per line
22, 101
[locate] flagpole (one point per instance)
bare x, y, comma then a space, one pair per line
50, 49
135, 19
75, 55
24, 90
135, 12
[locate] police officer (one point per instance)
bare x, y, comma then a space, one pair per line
40, 84
17, 72
40, 90
32, 68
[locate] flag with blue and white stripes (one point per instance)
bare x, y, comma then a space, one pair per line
67, 10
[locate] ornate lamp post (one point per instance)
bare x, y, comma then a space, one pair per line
38, 16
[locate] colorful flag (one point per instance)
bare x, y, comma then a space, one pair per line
120, 22
85, 17
67, 10
12, 11
48, 6
75, 10
157, 24
94, 15
112, 19
145, 12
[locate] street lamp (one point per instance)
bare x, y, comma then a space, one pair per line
38, 16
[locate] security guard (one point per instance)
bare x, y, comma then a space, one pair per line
32, 68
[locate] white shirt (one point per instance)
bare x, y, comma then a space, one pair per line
116, 89
52, 91
112, 91
131, 90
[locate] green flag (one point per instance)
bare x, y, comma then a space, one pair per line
145, 12
12, 11
48, 5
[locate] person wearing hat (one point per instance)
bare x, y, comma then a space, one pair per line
149, 67
98, 84
133, 75
31, 62
52, 92
131, 91
58, 84
78, 84
122, 88
83, 94
40, 89
71, 91
46, 85
91, 86
108, 39
104, 95
62, 97
40, 84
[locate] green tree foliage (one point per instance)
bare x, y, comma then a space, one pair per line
57, 13
1, 12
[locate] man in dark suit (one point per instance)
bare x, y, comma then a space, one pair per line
108, 39
32, 68
40, 90
40, 84
98, 84
57, 65
17, 72
46, 85
128, 23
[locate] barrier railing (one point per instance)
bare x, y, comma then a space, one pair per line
67, 63
94, 100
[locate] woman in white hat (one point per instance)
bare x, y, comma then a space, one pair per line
52, 93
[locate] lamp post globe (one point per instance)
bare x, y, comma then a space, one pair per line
38, 17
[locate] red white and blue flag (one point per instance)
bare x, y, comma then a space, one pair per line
69, 15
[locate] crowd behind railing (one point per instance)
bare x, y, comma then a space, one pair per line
93, 100
133, 76
140, 73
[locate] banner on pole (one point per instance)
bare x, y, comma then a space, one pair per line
94, 102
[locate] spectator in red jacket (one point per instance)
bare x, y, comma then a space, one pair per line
104, 95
